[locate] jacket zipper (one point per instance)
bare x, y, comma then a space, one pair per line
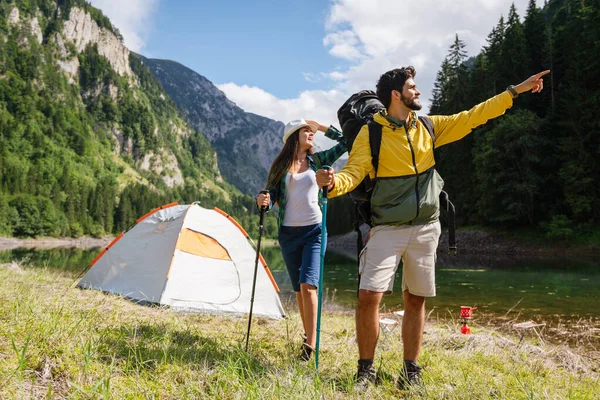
412, 153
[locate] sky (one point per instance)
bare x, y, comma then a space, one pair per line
290, 59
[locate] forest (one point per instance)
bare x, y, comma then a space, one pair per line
61, 172
538, 166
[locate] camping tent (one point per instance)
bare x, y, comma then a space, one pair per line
187, 257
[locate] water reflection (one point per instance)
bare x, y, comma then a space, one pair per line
529, 287
70, 259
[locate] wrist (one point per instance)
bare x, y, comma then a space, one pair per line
513, 90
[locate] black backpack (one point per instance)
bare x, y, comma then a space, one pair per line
356, 112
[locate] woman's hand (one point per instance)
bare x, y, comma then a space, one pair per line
320, 127
263, 200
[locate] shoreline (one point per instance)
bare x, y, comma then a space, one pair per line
469, 242
9, 243
481, 243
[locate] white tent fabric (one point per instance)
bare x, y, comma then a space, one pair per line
151, 263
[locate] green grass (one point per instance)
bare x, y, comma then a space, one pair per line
61, 342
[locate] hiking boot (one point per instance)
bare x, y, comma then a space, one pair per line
410, 376
305, 352
365, 375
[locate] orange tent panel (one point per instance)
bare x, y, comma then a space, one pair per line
201, 245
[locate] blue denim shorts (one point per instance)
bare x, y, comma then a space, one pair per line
301, 250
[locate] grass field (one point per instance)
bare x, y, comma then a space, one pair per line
62, 342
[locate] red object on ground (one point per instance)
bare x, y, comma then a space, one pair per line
465, 330
467, 312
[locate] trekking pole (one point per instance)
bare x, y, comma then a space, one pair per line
321, 273
260, 233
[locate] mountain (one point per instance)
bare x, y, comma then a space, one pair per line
89, 140
246, 143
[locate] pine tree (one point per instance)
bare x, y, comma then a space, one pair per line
493, 53
440, 88
514, 63
480, 84
457, 76
454, 161
509, 164
536, 43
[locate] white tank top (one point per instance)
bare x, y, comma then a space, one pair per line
302, 199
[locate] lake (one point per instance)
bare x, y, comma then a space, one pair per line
552, 289
567, 288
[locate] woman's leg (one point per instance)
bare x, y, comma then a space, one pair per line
309, 282
300, 301
309, 317
291, 250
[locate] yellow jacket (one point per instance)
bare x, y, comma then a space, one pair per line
407, 187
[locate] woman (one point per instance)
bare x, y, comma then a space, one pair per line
293, 187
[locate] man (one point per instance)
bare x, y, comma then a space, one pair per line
405, 207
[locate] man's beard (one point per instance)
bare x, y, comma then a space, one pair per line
411, 104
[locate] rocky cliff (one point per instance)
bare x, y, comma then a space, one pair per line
89, 140
81, 30
246, 143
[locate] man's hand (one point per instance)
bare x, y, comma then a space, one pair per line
326, 178
263, 200
535, 83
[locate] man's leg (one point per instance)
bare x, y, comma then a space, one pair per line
367, 323
377, 267
418, 282
367, 333
412, 325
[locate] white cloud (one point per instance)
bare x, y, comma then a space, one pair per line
337, 76
313, 104
315, 77
131, 17
317, 105
343, 44
371, 37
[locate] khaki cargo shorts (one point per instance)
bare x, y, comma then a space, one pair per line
387, 245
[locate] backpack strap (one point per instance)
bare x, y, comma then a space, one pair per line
375, 132
452, 249
428, 124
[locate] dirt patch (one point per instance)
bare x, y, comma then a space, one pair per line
14, 267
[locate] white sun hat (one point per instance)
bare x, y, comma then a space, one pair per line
294, 125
